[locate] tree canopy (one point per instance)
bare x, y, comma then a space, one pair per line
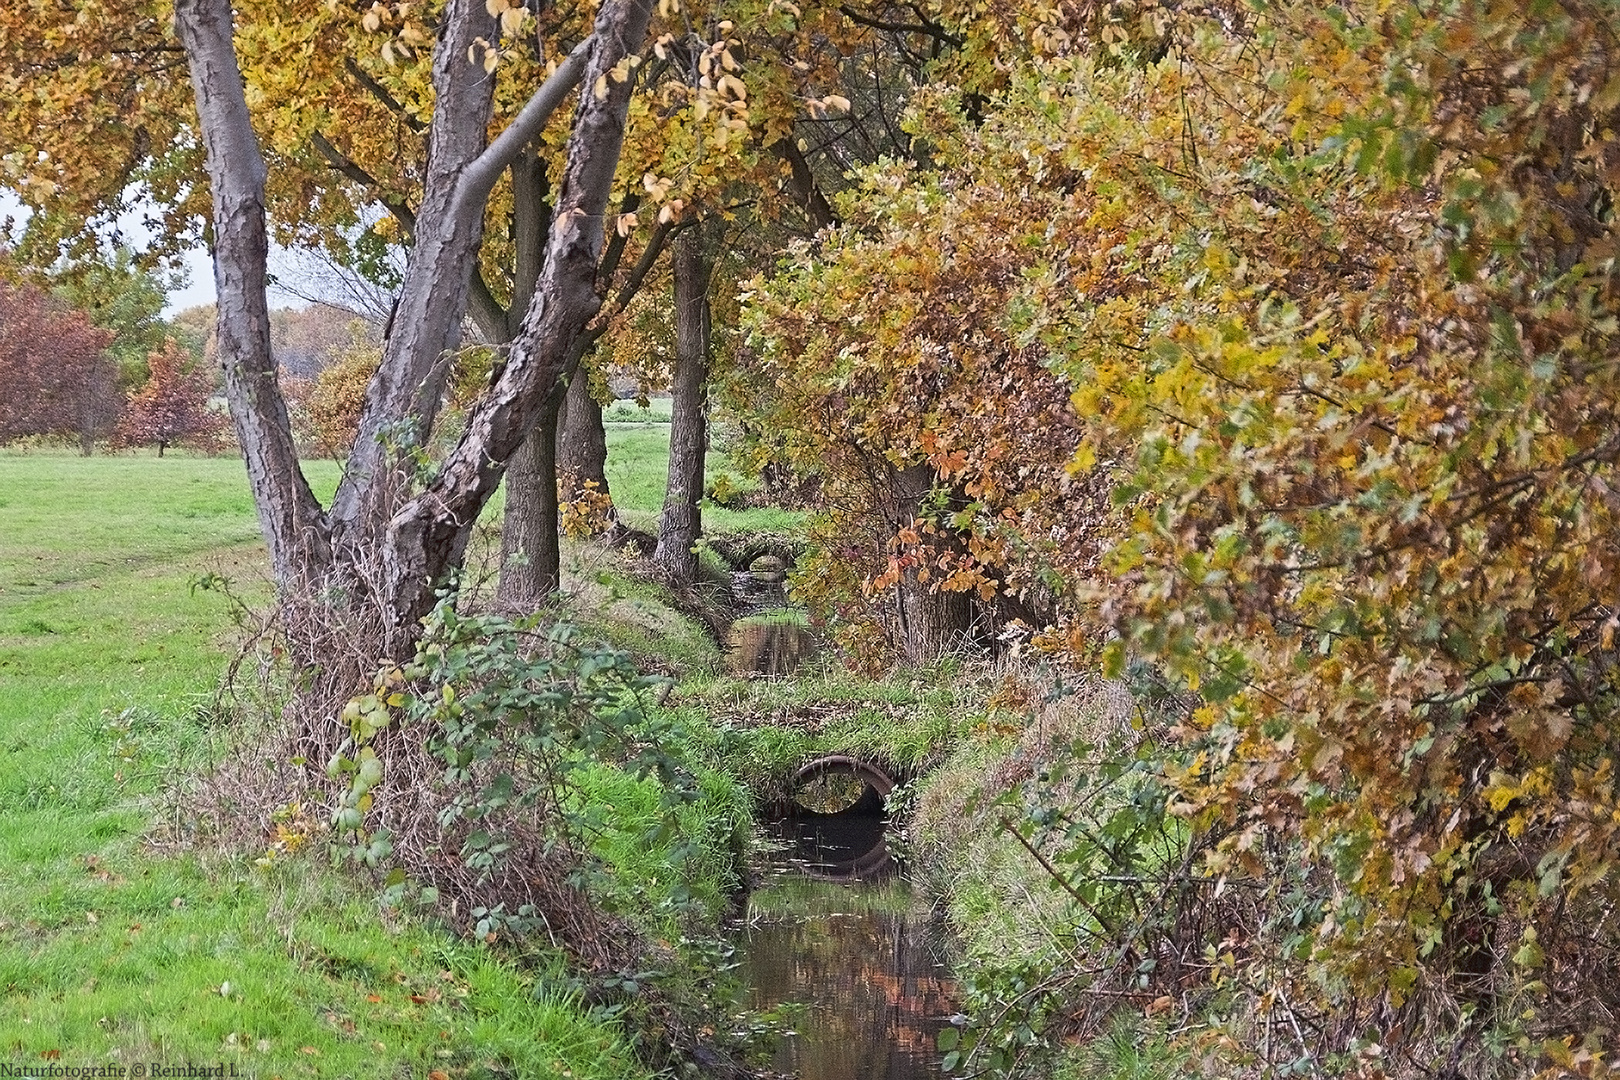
1331, 297
1267, 347
54, 372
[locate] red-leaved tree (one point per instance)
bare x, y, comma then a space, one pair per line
55, 376
172, 408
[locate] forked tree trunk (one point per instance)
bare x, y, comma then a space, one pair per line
402, 398
680, 524
429, 535
399, 554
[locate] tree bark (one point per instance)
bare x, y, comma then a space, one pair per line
398, 554
680, 524
403, 398
526, 522
807, 194
294, 527
581, 439
531, 556
428, 535
932, 620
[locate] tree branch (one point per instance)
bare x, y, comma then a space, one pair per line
479, 178
381, 93
933, 30
348, 167
486, 311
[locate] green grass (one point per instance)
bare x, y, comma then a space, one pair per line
117, 944
763, 730
657, 411
667, 887
637, 470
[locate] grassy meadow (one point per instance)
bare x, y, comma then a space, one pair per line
125, 939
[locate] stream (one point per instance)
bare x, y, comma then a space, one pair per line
836, 937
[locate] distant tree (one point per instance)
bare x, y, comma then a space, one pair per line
193, 328
334, 401
55, 376
122, 297
306, 341
172, 408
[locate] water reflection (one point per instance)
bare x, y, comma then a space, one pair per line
857, 958
850, 846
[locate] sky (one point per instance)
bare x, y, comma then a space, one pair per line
199, 286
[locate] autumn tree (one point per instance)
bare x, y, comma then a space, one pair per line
337, 395
937, 435
56, 377
306, 341
1330, 296
172, 408
120, 296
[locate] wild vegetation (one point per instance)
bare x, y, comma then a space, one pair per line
1256, 358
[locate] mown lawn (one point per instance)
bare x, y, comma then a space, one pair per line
123, 941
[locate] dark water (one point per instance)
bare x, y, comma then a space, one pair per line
857, 957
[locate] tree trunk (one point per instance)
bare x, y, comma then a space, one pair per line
403, 397
680, 524
531, 559
429, 534
581, 440
395, 556
289, 515
932, 620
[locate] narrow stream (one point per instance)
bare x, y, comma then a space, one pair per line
837, 937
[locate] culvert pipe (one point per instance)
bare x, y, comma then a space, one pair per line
850, 844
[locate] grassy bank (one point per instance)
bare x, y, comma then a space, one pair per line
125, 938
